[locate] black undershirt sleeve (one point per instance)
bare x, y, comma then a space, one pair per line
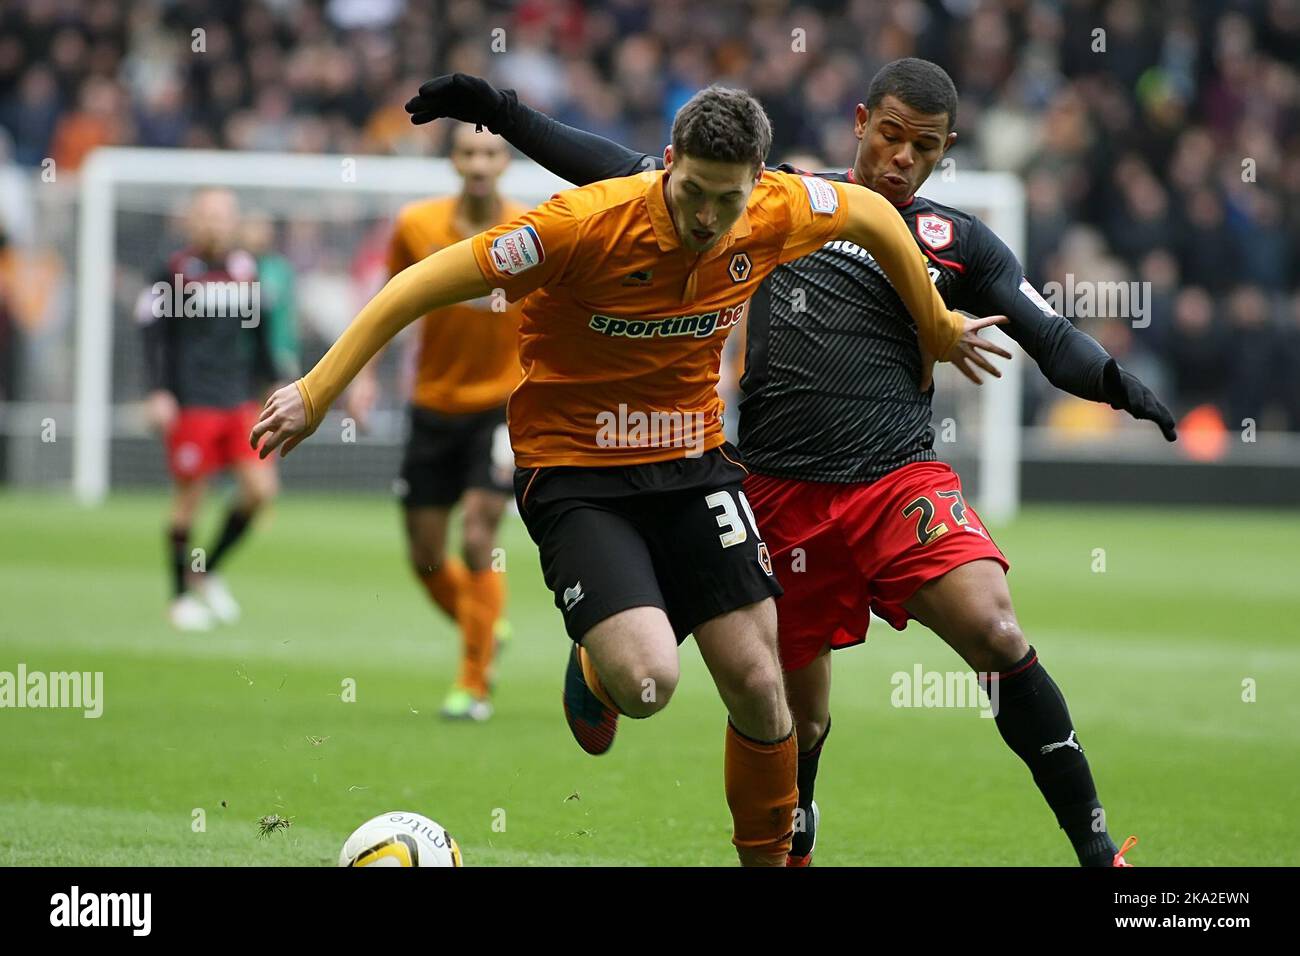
572, 154
1072, 360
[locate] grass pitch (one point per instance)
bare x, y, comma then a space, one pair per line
1155, 655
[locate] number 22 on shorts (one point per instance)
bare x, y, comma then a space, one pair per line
927, 528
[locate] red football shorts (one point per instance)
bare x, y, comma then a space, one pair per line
842, 551
204, 440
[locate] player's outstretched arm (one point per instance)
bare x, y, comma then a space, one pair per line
292, 413
876, 226
572, 154
1072, 360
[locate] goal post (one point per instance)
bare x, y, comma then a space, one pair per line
126, 194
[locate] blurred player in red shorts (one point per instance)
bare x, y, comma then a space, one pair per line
208, 355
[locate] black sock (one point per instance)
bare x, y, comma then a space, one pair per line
237, 521
803, 837
178, 540
1035, 723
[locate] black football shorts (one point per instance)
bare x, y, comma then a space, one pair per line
448, 454
677, 535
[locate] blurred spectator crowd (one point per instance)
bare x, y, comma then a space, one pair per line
1158, 141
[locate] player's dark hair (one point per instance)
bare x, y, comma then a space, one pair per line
724, 125
924, 86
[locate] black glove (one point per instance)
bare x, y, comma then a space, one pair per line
470, 99
1125, 392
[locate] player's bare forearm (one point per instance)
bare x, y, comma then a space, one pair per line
876, 226
448, 276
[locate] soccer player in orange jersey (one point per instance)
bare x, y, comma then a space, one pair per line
623, 476
458, 451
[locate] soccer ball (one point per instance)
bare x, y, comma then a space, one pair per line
400, 839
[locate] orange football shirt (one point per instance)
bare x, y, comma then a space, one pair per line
468, 357
622, 326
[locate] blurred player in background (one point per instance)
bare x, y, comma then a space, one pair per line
209, 356
458, 450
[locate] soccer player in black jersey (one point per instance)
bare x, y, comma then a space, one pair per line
835, 428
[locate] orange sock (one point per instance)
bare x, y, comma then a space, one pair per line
481, 601
762, 791
593, 681
445, 584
